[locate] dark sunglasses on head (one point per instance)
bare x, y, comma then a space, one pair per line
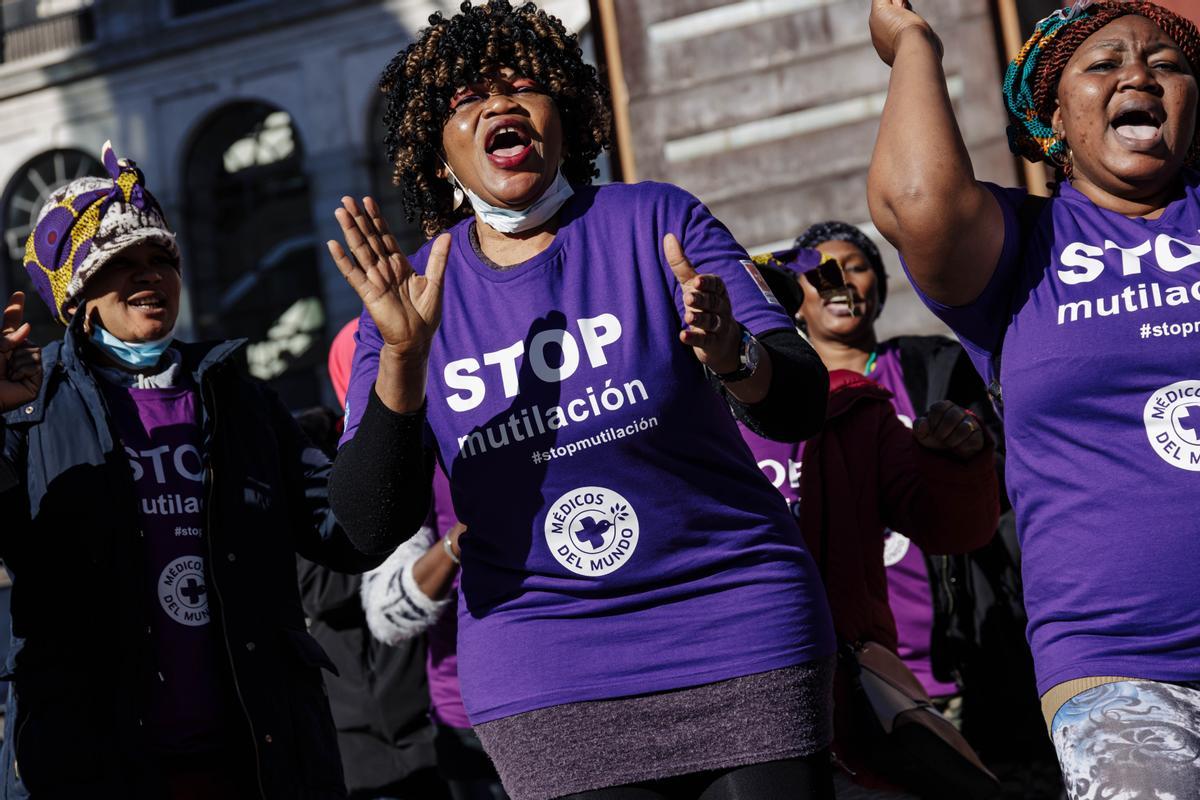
821, 272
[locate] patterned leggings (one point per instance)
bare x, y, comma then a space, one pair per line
1131, 740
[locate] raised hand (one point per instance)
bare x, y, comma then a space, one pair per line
405, 306
712, 331
889, 19
949, 427
20, 362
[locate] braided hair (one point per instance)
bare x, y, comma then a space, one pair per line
420, 80
1031, 82
834, 231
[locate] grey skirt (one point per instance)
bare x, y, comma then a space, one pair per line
577, 747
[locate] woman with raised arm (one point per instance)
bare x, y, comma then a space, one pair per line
638, 617
1092, 296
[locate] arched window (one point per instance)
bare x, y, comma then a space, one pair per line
250, 257
24, 197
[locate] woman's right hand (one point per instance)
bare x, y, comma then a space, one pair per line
20, 362
405, 306
891, 18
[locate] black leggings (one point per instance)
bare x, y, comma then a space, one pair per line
808, 778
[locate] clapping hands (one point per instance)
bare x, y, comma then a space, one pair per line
405, 306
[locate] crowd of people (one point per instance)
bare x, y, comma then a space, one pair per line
710, 538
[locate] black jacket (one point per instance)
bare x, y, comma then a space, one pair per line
80, 648
380, 696
979, 614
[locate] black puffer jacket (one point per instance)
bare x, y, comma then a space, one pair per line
80, 649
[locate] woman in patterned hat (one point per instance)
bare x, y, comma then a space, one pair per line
638, 617
1092, 296
153, 498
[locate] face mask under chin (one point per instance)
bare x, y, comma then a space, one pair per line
134, 355
508, 220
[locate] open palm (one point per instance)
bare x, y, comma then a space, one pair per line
406, 307
20, 362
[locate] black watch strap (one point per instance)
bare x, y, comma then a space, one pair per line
748, 356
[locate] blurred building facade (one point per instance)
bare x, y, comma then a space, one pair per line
768, 109
251, 119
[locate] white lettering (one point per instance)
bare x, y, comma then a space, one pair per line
1077, 254
457, 376
537, 356
597, 332
192, 475
1131, 257
1167, 260
507, 359
155, 456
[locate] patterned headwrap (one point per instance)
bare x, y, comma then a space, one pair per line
83, 224
1031, 81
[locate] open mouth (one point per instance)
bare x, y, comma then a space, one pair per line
148, 301
508, 145
844, 304
1138, 127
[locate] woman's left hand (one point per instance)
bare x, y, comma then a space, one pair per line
948, 426
712, 332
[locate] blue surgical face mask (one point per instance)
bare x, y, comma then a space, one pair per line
135, 355
509, 220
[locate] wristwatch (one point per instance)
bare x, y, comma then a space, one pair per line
748, 358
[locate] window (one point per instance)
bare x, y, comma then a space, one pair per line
250, 259
27, 192
31, 27
183, 8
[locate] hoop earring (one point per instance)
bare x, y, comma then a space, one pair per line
1061, 157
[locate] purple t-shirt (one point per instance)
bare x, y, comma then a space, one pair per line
909, 594
1099, 316
187, 701
441, 666
622, 540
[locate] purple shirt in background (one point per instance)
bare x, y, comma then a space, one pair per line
1099, 316
187, 702
909, 593
622, 540
441, 664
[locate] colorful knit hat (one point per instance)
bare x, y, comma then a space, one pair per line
83, 224
1029, 89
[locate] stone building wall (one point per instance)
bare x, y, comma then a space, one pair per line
769, 111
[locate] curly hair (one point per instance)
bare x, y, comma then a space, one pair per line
1031, 85
420, 80
834, 231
